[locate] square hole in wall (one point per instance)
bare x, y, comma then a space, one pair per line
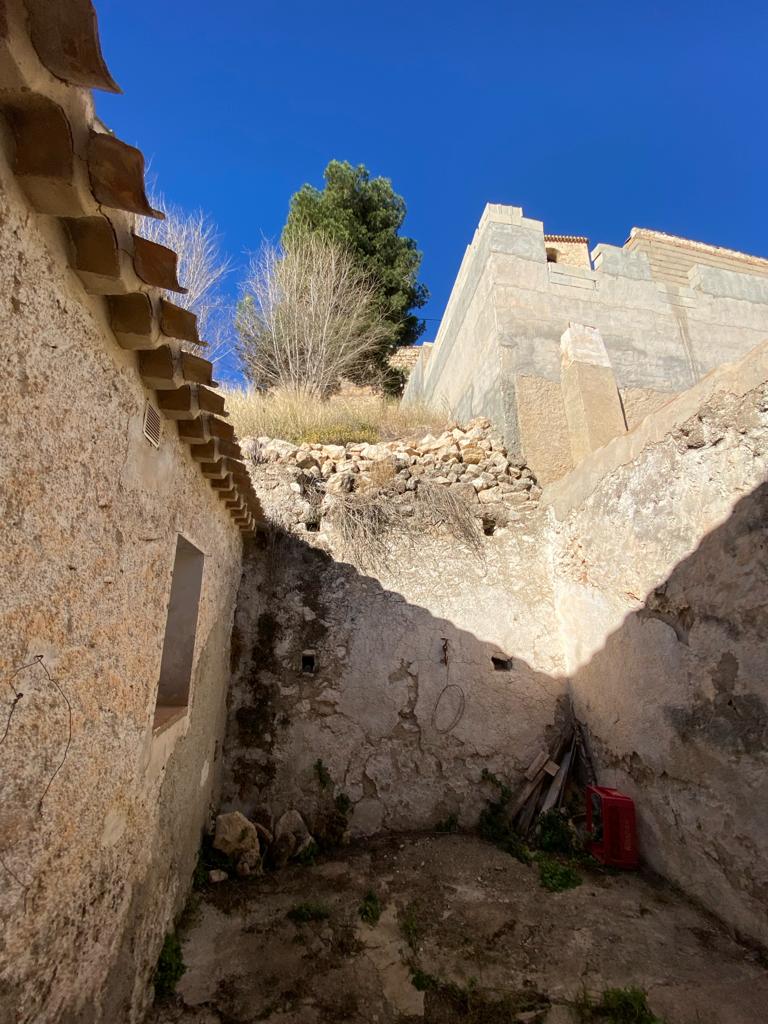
180, 632
502, 664
308, 663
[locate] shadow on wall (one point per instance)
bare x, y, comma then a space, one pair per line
676, 704
403, 708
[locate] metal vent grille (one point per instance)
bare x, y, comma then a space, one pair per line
152, 425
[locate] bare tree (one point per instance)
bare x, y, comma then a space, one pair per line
201, 270
308, 317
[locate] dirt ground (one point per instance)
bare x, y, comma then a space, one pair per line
466, 933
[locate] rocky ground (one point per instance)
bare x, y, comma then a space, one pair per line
298, 483
464, 933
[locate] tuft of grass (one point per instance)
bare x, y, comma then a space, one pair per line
322, 773
422, 981
495, 826
555, 834
309, 911
557, 877
370, 908
616, 1006
449, 824
170, 967
342, 419
410, 926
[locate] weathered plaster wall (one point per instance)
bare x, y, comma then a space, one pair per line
91, 880
509, 309
661, 581
402, 733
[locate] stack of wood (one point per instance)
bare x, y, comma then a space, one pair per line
547, 777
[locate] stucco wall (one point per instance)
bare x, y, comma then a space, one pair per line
91, 880
661, 589
403, 733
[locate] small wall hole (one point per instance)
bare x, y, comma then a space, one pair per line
501, 664
489, 527
308, 663
313, 526
552, 255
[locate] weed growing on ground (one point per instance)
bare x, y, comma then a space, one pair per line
308, 855
468, 1003
422, 981
616, 1006
555, 834
304, 912
410, 925
170, 966
322, 773
555, 876
370, 908
494, 824
449, 824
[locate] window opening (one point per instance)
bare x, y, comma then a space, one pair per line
180, 632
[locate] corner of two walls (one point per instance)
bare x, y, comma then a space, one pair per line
659, 563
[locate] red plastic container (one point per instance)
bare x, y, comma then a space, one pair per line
611, 826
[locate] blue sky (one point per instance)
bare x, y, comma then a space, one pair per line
593, 117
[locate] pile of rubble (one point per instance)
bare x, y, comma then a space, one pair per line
471, 461
246, 844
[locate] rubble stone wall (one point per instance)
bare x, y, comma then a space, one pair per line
100, 826
403, 703
661, 581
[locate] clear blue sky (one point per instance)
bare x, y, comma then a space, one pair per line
591, 116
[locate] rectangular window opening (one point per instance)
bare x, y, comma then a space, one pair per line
308, 663
180, 632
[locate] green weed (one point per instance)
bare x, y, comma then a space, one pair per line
422, 981
557, 877
304, 912
322, 773
370, 908
410, 925
617, 1006
170, 966
449, 824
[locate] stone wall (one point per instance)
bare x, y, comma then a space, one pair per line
661, 587
99, 830
385, 673
497, 351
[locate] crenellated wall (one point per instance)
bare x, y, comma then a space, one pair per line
498, 348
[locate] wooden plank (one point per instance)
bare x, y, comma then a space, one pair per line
558, 784
537, 764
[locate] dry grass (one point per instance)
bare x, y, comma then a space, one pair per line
340, 420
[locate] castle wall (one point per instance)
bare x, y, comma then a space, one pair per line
98, 832
509, 309
661, 593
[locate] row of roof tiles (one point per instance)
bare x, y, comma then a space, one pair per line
93, 183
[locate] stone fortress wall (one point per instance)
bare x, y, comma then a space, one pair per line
667, 311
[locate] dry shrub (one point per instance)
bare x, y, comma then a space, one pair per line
370, 523
367, 522
439, 506
339, 420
